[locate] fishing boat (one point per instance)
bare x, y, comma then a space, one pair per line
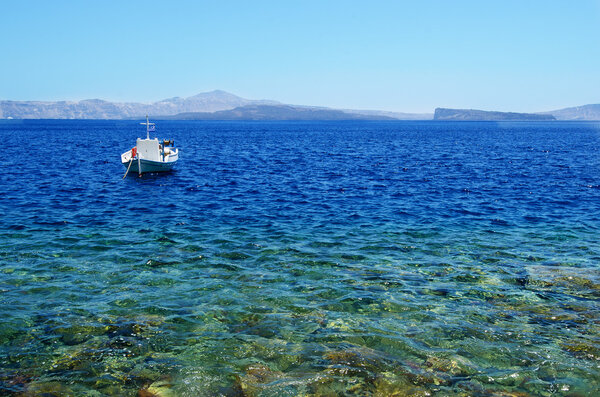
150, 155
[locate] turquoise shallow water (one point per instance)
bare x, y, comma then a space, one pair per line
302, 259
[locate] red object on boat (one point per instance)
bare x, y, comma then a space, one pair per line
133, 152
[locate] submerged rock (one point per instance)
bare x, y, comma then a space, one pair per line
583, 349
160, 388
455, 366
327, 385
48, 389
576, 281
573, 280
255, 379
389, 385
13, 382
361, 362
76, 334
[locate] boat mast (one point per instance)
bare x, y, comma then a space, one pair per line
147, 124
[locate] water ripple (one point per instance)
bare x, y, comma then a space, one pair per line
358, 258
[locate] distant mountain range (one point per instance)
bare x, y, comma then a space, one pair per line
221, 105
481, 115
99, 109
214, 105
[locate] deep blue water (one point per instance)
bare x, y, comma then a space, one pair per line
302, 258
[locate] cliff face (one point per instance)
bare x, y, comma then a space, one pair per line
482, 115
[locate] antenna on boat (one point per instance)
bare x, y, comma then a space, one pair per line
147, 124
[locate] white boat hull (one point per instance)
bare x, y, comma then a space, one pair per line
149, 166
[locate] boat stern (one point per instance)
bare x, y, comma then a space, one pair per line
171, 155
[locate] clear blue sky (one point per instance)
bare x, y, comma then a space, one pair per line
391, 55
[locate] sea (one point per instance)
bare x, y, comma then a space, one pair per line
346, 258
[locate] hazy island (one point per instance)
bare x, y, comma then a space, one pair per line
577, 113
274, 112
482, 115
